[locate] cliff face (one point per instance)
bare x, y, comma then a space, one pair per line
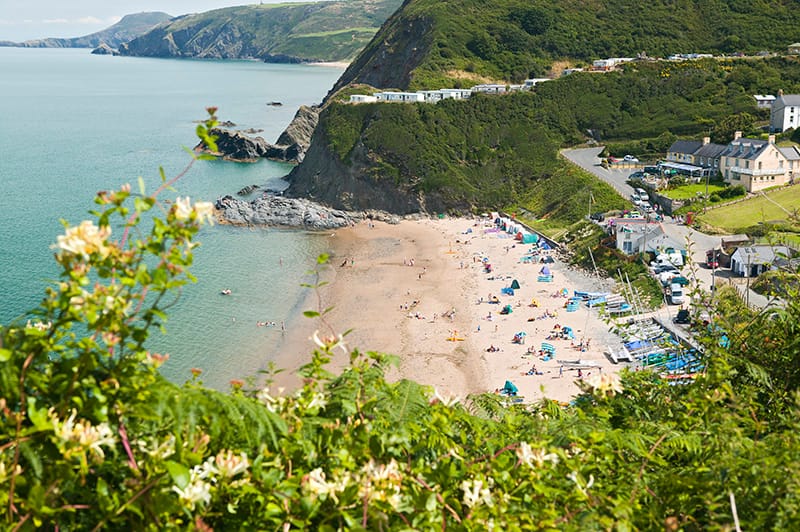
356, 184
130, 27
318, 31
389, 60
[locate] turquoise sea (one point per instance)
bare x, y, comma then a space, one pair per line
72, 123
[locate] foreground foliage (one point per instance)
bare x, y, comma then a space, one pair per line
91, 437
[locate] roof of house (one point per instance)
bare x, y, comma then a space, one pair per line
710, 150
787, 99
663, 241
685, 146
759, 254
790, 152
745, 148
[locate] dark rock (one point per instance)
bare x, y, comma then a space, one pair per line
236, 146
226, 123
270, 210
297, 136
247, 190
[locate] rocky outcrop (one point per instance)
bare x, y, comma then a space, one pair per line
291, 146
297, 137
270, 210
104, 49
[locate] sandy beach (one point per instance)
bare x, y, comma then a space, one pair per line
419, 290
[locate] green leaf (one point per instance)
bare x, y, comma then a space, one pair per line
5, 355
179, 473
310, 313
141, 186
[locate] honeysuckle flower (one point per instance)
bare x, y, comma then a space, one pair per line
84, 240
161, 450
316, 484
573, 476
156, 359
183, 208
604, 384
475, 493
205, 211
318, 400
446, 400
534, 458
329, 343
196, 491
229, 465
39, 325
80, 436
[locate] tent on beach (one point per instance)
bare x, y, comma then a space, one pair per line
509, 388
530, 239
515, 284
545, 270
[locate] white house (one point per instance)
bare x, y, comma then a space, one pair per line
532, 82
432, 96
456, 94
785, 112
764, 101
633, 234
362, 98
490, 88
751, 261
390, 96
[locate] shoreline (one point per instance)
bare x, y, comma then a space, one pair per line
404, 310
334, 64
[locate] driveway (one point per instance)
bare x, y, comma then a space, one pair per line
589, 160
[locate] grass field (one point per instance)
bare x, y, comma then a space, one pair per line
691, 191
773, 208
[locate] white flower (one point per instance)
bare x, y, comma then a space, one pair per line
605, 384
196, 491
39, 325
573, 476
315, 483
329, 343
81, 436
318, 401
534, 458
475, 493
229, 465
204, 211
84, 240
448, 401
183, 208
163, 450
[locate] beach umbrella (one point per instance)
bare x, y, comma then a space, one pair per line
545, 270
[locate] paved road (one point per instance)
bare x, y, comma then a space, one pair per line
698, 243
589, 160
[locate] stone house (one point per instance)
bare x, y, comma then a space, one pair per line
755, 164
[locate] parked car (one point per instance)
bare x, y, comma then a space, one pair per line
652, 170
636, 176
662, 268
676, 294
597, 217
630, 159
683, 316
614, 159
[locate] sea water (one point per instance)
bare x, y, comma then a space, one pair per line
72, 123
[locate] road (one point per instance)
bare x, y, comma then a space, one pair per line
697, 243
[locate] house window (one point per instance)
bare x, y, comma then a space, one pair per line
747, 164
759, 165
780, 164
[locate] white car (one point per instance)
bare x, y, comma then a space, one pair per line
630, 159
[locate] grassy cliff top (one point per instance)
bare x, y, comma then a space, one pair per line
432, 43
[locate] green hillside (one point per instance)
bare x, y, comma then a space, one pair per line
434, 43
495, 150
294, 32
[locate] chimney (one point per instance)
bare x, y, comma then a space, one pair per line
737, 135
771, 139
706, 141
